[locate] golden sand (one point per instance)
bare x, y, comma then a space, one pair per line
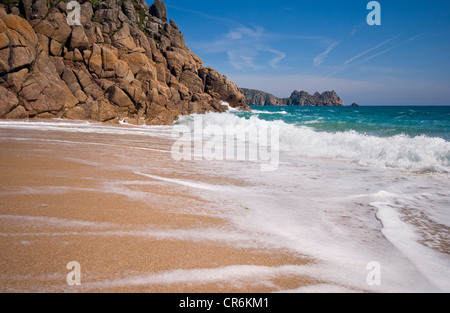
48, 189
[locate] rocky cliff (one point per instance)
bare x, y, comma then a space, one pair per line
125, 61
261, 98
297, 98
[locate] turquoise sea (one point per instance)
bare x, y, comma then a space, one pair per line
383, 121
415, 139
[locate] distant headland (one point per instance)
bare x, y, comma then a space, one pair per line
297, 98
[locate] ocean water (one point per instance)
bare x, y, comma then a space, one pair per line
382, 121
354, 186
410, 138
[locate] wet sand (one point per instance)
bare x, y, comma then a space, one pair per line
75, 197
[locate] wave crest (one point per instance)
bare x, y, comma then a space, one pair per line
418, 154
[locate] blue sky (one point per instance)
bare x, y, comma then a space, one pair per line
280, 46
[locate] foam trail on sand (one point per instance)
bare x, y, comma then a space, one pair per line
86, 128
223, 236
51, 221
244, 273
432, 264
186, 183
87, 143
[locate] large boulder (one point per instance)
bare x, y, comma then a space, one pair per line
110, 57
8, 101
18, 43
119, 97
96, 110
41, 95
96, 60
192, 81
123, 39
35, 9
159, 10
14, 80
135, 61
227, 91
18, 113
78, 38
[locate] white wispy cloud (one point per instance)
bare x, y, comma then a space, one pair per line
242, 59
279, 56
391, 48
245, 47
351, 61
369, 50
321, 57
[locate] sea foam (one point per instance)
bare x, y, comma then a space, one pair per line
417, 154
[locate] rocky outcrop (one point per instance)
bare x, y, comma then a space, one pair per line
261, 98
125, 61
302, 98
159, 10
297, 98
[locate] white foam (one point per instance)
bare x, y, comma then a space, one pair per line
260, 275
270, 112
304, 208
308, 205
230, 108
39, 221
434, 265
420, 153
186, 183
230, 237
86, 127
51, 190
417, 154
320, 288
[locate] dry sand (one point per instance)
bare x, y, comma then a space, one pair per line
61, 202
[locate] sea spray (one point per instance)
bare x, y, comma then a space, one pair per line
219, 142
417, 154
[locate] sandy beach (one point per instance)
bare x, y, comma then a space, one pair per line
113, 199
74, 197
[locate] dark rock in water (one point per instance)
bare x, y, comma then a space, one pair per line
297, 98
126, 61
354, 105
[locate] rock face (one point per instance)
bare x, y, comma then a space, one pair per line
302, 98
261, 98
158, 9
125, 61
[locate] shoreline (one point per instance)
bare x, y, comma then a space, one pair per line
55, 210
114, 200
